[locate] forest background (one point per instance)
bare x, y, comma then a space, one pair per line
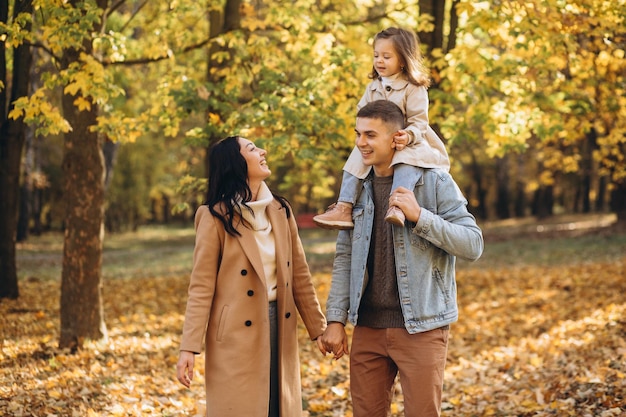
108, 107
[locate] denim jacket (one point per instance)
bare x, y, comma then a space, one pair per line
425, 254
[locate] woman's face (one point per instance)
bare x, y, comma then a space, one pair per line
255, 158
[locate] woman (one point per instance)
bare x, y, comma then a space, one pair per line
249, 276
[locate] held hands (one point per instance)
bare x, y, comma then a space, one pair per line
334, 340
400, 140
404, 199
184, 367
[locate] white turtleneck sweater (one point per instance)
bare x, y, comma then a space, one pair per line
389, 80
259, 222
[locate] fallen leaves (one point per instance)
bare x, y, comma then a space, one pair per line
531, 341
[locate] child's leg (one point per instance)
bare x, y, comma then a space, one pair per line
349, 188
339, 216
401, 178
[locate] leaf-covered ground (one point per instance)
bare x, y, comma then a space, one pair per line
542, 332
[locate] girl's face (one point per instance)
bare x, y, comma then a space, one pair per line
255, 158
387, 62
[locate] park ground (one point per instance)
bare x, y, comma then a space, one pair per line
542, 328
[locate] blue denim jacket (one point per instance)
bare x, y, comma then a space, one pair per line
425, 254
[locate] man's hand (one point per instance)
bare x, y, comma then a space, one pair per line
335, 340
405, 200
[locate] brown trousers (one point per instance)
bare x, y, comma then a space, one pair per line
378, 355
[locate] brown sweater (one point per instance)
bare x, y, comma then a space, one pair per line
380, 304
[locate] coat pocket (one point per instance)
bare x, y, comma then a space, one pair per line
222, 323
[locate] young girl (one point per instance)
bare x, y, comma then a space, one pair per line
399, 76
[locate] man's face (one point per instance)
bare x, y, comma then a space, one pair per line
375, 142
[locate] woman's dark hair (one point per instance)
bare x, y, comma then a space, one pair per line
228, 183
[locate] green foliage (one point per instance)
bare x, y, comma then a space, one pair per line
145, 185
16, 32
66, 26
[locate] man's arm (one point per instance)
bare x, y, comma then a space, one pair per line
338, 301
453, 228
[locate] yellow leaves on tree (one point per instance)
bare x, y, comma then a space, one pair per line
87, 78
39, 110
546, 75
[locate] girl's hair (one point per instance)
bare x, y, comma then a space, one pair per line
406, 45
228, 183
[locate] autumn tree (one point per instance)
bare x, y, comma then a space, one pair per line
545, 80
12, 134
283, 82
66, 32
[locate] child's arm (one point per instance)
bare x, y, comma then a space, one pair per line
416, 113
401, 139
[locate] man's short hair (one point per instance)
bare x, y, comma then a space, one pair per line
384, 110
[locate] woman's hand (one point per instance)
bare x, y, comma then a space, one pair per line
320, 346
184, 367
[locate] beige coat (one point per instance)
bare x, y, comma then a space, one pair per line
228, 300
425, 149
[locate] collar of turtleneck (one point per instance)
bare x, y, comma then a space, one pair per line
389, 80
258, 219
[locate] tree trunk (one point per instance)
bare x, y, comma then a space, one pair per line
109, 150
600, 203
543, 202
520, 187
26, 191
586, 170
83, 170
454, 24
436, 9
618, 202
502, 179
481, 193
220, 22
12, 136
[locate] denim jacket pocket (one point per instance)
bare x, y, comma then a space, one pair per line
358, 214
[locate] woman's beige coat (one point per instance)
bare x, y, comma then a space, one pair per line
227, 309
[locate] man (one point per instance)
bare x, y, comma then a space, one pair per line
396, 284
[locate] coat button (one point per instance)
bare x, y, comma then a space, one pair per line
250, 293
244, 272
388, 88
248, 323
287, 315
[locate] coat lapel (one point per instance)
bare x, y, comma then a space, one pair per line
251, 250
282, 237
277, 217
